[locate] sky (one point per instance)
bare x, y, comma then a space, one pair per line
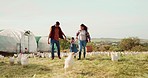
104, 18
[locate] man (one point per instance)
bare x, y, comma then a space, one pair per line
55, 33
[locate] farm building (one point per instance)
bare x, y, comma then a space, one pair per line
43, 45
13, 41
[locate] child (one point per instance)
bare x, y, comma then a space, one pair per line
73, 47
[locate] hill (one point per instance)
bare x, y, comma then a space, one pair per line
106, 39
114, 40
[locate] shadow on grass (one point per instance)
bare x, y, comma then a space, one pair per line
2, 63
85, 73
18, 71
128, 59
122, 60
99, 58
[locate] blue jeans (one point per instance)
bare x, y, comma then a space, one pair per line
53, 42
73, 48
82, 45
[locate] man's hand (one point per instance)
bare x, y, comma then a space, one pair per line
65, 37
77, 37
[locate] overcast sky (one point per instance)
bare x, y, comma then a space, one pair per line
104, 18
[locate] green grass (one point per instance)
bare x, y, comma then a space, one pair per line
91, 67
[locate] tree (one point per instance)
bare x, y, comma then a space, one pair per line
64, 44
115, 48
128, 43
139, 48
145, 44
104, 47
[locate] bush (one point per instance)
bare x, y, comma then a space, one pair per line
115, 48
128, 43
64, 44
139, 48
104, 47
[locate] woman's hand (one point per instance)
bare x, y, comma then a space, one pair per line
89, 40
48, 42
77, 37
76, 40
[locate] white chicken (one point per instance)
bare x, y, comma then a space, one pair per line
11, 60
88, 54
19, 58
32, 55
39, 55
1, 57
24, 60
15, 55
43, 55
115, 56
69, 61
64, 54
49, 55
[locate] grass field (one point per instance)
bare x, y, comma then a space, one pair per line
92, 67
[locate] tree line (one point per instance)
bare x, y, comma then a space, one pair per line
126, 44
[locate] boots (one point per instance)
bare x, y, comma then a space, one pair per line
84, 54
79, 56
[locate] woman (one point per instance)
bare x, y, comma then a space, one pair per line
83, 37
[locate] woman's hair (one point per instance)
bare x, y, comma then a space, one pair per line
72, 38
85, 27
